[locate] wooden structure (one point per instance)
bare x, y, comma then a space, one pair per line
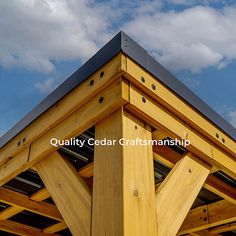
115, 190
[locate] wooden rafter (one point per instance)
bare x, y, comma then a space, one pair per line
55, 228
211, 215
223, 228
21, 229
13, 210
17, 199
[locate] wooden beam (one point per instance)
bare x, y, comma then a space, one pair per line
85, 172
68, 190
160, 93
177, 193
21, 229
223, 228
13, 210
62, 109
40, 195
123, 192
221, 188
17, 199
55, 228
211, 215
204, 232
143, 106
79, 121
10, 211
14, 166
169, 157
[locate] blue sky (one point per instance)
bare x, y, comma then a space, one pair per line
42, 42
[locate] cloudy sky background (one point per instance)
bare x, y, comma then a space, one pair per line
43, 41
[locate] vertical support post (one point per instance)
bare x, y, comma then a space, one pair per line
123, 192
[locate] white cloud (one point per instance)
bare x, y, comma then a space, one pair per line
192, 39
192, 2
35, 33
232, 118
46, 86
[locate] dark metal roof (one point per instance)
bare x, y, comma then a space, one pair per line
121, 43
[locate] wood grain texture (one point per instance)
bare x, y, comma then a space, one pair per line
177, 193
123, 195
69, 191
176, 128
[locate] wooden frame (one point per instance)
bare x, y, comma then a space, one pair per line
126, 101
124, 193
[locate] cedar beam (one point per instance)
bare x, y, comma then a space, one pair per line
85, 172
178, 106
21, 229
69, 191
223, 228
62, 109
55, 228
211, 215
39, 196
177, 193
20, 200
143, 106
204, 232
169, 157
124, 193
113, 97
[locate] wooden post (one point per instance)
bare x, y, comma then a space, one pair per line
177, 193
123, 192
70, 193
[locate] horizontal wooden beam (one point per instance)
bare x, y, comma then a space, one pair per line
55, 228
13, 210
21, 229
204, 232
79, 121
17, 199
223, 228
40, 195
160, 93
143, 106
86, 171
221, 188
62, 109
211, 215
